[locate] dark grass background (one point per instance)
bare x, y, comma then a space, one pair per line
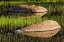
9, 23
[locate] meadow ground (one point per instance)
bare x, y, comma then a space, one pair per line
9, 23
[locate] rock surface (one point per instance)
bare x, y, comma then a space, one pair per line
29, 9
46, 28
34, 8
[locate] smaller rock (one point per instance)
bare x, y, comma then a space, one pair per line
35, 8
29, 9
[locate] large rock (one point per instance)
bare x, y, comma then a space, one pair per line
29, 9
34, 8
43, 29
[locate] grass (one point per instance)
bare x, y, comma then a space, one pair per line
17, 21
9, 23
36, 0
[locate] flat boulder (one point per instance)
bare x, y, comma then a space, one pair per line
29, 9
43, 29
35, 8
